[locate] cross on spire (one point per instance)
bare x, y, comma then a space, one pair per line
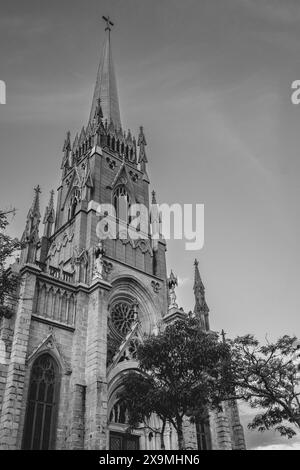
108, 23
37, 189
223, 334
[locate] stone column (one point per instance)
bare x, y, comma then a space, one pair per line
6, 335
237, 431
13, 395
96, 381
167, 437
190, 434
222, 435
78, 385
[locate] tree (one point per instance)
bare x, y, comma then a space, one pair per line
181, 374
267, 377
9, 281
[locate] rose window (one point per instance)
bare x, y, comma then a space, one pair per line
122, 316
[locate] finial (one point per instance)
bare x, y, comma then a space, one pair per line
36, 201
37, 189
201, 309
31, 232
142, 139
66, 150
108, 23
173, 279
49, 215
67, 143
198, 284
51, 202
154, 197
142, 145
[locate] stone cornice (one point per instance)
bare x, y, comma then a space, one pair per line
31, 268
134, 268
50, 322
99, 284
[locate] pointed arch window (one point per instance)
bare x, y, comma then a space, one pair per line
121, 203
203, 435
119, 413
40, 420
74, 201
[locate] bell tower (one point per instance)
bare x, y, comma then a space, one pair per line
87, 300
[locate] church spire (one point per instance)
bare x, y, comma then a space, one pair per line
201, 309
106, 84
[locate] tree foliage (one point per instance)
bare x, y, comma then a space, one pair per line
9, 281
267, 377
182, 373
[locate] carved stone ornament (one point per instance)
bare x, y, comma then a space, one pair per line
107, 267
155, 286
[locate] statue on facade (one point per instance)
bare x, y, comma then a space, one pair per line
172, 283
99, 252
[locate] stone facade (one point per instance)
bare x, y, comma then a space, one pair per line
83, 306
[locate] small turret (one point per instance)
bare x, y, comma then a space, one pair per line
49, 217
30, 237
66, 164
142, 153
155, 220
201, 309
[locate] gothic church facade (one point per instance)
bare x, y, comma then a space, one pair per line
84, 306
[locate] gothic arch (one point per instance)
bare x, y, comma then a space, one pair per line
121, 192
115, 383
50, 345
42, 403
128, 286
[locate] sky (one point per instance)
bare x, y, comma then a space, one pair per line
210, 81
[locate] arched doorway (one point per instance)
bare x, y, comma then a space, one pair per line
119, 437
39, 429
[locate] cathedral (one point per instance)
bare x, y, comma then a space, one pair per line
84, 304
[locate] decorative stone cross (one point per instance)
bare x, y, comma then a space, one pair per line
108, 23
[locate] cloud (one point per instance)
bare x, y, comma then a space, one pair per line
183, 281
268, 440
287, 12
295, 446
24, 25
